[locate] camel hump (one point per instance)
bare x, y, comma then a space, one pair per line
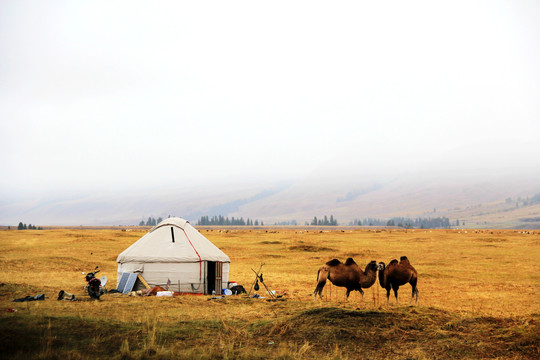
393, 262
404, 260
333, 262
349, 261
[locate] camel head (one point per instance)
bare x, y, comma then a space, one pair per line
372, 266
382, 279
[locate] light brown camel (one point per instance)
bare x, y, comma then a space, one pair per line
347, 275
396, 274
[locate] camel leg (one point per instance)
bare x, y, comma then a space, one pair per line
388, 296
395, 293
362, 293
415, 292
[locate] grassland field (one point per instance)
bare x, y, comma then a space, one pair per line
479, 298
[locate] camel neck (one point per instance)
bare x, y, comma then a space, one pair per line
381, 279
369, 279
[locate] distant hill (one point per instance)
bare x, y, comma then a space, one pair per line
477, 199
506, 201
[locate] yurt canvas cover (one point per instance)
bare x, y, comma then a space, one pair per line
175, 251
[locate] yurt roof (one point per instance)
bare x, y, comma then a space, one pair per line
157, 246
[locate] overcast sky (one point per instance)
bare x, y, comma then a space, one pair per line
114, 95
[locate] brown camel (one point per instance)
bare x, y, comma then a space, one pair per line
347, 275
396, 274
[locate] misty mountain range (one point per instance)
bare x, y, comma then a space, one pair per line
478, 199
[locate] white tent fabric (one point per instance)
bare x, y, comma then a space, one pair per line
174, 251
157, 246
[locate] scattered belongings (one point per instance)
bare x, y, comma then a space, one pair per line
148, 292
95, 287
227, 292
146, 285
259, 278
238, 289
62, 295
126, 283
152, 291
31, 298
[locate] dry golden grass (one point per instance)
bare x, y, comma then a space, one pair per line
478, 298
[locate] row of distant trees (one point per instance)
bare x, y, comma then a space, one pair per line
28, 227
286, 223
324, 221
407, 223
222, 220
525, 202
151, 221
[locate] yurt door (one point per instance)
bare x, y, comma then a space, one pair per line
214, 277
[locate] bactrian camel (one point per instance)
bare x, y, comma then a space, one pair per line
348, 275
396, 274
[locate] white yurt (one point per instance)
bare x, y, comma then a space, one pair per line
174, 252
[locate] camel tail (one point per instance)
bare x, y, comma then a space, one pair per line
322, 275
413, 283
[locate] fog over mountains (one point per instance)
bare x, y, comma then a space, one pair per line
479, 198
116, 112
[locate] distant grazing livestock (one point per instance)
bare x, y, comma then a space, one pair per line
347, 275
396, 274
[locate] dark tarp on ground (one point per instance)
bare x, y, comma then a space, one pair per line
31, 298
